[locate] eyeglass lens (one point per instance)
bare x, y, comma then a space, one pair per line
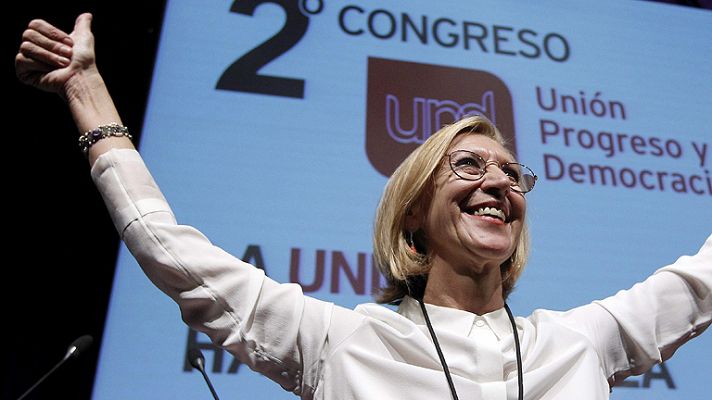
471, 166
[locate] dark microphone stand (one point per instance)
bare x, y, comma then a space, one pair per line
75, 349
198, 362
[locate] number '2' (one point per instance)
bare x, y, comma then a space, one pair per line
242, 75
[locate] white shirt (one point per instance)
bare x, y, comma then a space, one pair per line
322, 351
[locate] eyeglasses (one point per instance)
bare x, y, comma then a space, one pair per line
471, 167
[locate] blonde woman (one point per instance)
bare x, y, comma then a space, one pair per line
451, 239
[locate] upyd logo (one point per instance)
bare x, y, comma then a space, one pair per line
407, 102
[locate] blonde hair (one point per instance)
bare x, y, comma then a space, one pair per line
410, 185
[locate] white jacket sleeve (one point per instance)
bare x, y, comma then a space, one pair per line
271, 327
644, 325
655, 317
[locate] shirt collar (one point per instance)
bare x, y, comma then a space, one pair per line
454, 320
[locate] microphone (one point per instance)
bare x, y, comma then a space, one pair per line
195, 356
74, 350
78, 346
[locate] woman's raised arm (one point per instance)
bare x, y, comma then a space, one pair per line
271, 327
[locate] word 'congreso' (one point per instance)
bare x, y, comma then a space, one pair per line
449, 33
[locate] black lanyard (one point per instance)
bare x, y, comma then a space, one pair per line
442, 358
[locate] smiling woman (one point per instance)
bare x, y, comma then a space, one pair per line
450, 232
397, 230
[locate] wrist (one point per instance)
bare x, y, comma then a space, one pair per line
89, 101
82, 86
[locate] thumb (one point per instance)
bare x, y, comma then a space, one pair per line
83, 23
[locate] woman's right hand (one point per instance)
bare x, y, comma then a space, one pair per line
52, 60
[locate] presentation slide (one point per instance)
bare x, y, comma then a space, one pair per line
273, 125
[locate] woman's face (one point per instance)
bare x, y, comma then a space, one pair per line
473, 224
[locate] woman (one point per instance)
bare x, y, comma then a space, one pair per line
451, 240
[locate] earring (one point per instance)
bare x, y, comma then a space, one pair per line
409, 241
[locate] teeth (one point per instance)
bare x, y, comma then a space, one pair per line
491, 212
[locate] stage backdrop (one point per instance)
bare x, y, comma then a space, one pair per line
272, 126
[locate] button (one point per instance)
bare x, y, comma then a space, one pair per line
479, 323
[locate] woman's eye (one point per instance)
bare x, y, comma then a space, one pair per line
513, 173
468, 162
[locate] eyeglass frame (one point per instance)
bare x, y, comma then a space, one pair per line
483, 170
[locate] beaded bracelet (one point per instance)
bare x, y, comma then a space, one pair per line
87, 139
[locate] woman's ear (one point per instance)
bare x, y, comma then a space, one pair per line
412, 219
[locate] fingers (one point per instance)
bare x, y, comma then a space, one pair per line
30, 71
43, 42
48, 50
50, 31
31, 65
32, 50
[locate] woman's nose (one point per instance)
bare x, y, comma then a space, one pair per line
495, 179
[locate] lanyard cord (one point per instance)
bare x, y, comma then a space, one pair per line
440, 352
520, 374
444, 364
